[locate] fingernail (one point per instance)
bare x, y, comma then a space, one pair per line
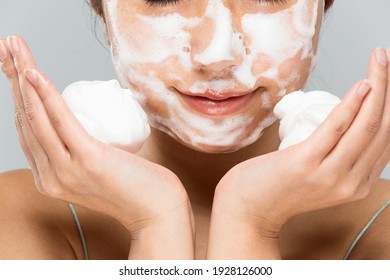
13, 44
381, 56
364, 88
32, 76
36, 77
3, 50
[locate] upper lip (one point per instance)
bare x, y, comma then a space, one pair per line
216, 95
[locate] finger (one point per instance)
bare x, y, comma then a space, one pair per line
359, 140
380, 165
5, 65
21, 54
66, 125
16, 62
26, 136
9, 69
325, 138
377, 153
39, 120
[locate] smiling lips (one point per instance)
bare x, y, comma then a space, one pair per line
214, 103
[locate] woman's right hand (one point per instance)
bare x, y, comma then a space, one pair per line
68, 164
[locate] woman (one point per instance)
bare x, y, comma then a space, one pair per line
209, 182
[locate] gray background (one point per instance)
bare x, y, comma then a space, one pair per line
61, 36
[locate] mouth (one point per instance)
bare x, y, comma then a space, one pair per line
214, 103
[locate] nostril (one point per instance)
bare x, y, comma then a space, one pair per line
222, 53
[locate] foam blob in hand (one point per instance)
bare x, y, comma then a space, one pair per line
301, 113
109, 113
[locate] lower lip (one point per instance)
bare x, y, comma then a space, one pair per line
217, 107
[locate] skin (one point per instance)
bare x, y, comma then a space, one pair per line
156, 89
264, 222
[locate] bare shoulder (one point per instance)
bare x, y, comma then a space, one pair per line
329, 233
33, 226
375, 242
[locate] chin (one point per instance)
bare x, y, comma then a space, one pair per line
213, 148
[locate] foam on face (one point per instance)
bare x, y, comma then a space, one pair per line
225, 43
277, 37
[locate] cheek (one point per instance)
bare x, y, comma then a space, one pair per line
298, 68
282, 44
156, 39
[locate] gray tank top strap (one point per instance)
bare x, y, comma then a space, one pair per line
364, 230
76, 218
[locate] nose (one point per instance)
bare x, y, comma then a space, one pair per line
226, 46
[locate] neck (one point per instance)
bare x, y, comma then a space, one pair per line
200, 172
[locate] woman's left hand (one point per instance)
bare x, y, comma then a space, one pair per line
338, 163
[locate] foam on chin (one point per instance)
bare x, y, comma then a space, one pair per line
109, 113
301, 113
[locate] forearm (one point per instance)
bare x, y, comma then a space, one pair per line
170, 239
234, 237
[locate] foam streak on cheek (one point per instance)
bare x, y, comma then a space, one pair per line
278, 36
169, 39
158, 39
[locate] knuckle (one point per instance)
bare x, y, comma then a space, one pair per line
51, 188
63, 175
362, 193
55, 121
8, 70
345, 192
29, 111
329, 183
18, 117
351, 188
340, 126
53, 191
301, 171
373, 124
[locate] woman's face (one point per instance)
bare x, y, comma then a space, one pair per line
209, 72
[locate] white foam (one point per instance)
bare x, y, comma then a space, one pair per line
225, 43
109, 113
278, 36
158, 39
301, 113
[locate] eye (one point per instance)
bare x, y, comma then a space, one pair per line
161, 3
167, 2
272, 2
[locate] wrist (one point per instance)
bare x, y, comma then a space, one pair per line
168, 237
232, 237
258, 211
